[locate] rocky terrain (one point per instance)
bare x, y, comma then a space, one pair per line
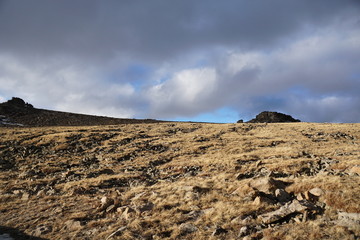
181, 181
16, 112
272, 117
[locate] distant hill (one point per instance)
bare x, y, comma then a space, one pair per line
16, 112
272, 117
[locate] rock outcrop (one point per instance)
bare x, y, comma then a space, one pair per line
272, 117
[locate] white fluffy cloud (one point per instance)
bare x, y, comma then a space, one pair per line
186, 92
64, 87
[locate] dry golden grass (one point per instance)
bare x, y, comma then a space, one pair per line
160, 176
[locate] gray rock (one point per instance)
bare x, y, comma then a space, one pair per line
72, 225
193, 215
262, 199
25, 196
316, 192
105, 203
294, 207
282, 196
244, 231
42, 229
267, 185
346, 219
187, 228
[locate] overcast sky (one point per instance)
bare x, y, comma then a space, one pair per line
203, 60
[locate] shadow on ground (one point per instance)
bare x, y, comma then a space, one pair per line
15, 234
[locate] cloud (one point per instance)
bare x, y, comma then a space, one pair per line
315, 70
183, 58
64, 87
98, 30
328, 109
187, 92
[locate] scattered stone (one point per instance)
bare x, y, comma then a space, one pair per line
346, 219
104, 200
267, 185
309, 196
17, 192
208, 210
244, 220
297, 220
258, 163
111, 208
300, 196
305, 216
316, 192
289, 208
25, 196
187, 228
193, 215
42, 229
219, 231
282, 196
72, 225
105, 203
126, 212
262, 199
244, 231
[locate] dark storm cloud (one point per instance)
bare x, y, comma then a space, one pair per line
181, 58
155, 29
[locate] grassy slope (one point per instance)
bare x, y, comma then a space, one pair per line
57, 176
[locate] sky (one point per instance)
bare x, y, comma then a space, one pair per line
185, 60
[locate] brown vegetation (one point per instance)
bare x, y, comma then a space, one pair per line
182, 181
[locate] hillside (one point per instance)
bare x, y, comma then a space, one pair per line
17, 112
181, 181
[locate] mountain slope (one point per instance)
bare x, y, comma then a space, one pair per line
17, 112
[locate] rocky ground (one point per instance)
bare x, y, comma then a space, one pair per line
181, 181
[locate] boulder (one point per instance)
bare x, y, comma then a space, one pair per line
317, 192
187, 228
289, 208
267, 185
273, 117
282, 196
